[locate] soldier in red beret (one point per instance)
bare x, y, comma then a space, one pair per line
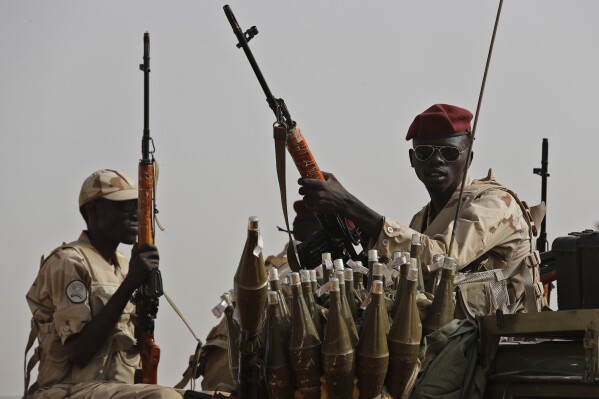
495, 229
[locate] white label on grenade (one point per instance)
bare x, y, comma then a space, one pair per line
258, 248
357, 267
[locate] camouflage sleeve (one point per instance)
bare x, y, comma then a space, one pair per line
61, 292
485, 222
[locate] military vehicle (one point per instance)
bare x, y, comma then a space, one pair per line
553, 354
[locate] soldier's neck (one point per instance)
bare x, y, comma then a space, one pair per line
104, 245
438, 201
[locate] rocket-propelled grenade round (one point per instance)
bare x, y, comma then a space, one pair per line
304, 344
404, 340
251, 287
338, 357
373, 351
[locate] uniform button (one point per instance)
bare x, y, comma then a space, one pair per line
385, 242
389, 229
66, 328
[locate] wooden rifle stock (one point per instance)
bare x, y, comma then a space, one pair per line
302, 156
145, 213
147, 295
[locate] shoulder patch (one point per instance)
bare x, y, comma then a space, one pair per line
76, 291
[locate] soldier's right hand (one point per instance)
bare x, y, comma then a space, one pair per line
143, 260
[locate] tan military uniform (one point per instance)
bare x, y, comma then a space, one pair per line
494, 232
73, 285
214, 360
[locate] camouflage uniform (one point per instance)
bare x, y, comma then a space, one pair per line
214, 358
495, 231
73, 285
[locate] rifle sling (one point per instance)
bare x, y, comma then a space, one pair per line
280, 132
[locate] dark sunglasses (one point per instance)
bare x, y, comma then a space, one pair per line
127, 206
448, 152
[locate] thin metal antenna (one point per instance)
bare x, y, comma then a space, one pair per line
480, 98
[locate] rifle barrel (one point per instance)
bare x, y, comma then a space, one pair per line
543, 172
145, 67
243, 39
147, 295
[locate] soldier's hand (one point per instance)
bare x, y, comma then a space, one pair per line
325, 196
143, 260
329, 196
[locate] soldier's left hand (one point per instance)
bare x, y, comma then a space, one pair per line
325, 196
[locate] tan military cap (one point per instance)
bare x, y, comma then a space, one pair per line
109, 184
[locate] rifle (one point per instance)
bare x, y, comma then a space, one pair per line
337, 236
147, 295
548, 267
543, 172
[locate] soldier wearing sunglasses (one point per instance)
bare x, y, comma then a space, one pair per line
495, 229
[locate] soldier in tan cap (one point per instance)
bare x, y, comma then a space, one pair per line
495, 229
83, 316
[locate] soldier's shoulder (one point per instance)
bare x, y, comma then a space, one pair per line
218, 335
489, 188
63, 253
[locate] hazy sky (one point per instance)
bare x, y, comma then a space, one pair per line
353, 73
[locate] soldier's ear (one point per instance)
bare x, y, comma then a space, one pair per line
411, 154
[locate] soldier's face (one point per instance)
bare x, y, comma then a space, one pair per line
439, 162
117, 219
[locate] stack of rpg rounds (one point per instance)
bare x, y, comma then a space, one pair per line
251, 288
295, 350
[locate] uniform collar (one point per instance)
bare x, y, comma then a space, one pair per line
83, 238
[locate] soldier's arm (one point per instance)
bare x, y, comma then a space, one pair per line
329, 196
484, 223
82, 346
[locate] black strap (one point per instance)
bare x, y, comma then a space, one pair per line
280, 132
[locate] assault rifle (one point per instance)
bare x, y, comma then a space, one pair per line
338, 235
543, 172
147, 295
548, 260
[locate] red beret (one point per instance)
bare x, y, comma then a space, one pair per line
301, 212
440, 120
